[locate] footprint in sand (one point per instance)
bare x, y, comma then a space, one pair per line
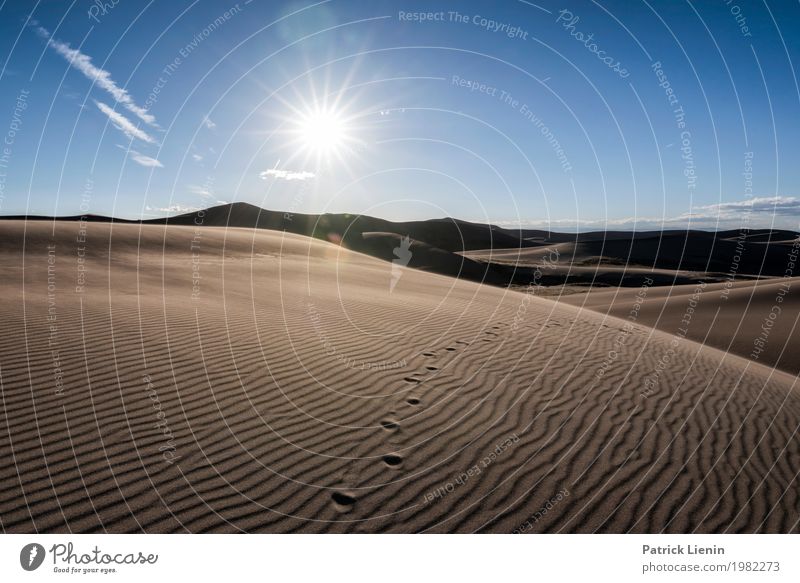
390, 425
393, 460
394, 432
413, 401
343, 500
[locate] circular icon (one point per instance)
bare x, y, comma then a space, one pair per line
31, 556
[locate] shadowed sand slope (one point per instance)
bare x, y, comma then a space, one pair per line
754, 319
670, 257
227, 379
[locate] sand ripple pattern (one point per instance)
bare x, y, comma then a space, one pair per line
297, 393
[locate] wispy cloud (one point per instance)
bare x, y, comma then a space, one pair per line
173, 208
777, 211
286, 174
208, 123
779, 205
203, 191
756, 209
140, 158
99, 77
124, 125
197, 157
145, 161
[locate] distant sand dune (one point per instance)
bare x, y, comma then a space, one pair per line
271, 419
731, 317
670, 257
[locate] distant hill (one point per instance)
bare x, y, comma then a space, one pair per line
448, 234
462, 249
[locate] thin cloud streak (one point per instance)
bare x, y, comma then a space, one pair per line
124, 125
145, 161
100, 77
173, 208
202, 191
287, 174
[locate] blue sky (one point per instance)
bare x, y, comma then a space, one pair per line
567, 115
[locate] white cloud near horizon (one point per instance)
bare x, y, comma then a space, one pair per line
780, 212
173, 208
779, 205
124, 125
287, 174
100, 77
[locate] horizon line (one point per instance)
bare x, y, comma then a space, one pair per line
504, 224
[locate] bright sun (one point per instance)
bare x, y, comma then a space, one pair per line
323, 132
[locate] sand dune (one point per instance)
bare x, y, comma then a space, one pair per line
554, 267
425, 257
487, 253
221, 380
448, 234
437, 242
731, 317
693, 251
